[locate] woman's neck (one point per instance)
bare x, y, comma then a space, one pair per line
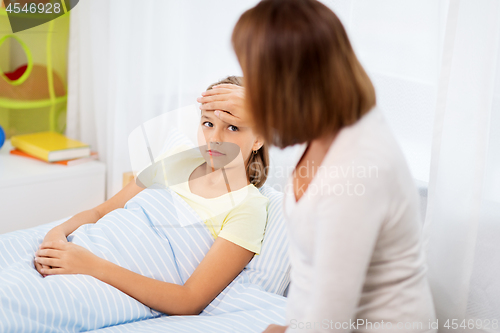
323, 144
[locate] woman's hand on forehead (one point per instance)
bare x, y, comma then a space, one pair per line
227, 102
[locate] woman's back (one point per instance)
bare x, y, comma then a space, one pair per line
363, 242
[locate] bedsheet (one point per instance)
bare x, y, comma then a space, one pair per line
156, 234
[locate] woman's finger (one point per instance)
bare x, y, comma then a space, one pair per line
48, 261
217, 91
221, 89
229, 86
212, 98
51, 253
217, 105
228, 118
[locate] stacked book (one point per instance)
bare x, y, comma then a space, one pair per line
52, 147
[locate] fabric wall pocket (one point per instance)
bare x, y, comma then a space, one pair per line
33, 83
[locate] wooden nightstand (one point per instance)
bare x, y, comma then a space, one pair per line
34, 192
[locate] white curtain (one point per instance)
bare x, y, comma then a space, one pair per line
130, 61
399, 44
463, 215
436, 70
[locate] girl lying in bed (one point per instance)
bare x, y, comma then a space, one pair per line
238, 233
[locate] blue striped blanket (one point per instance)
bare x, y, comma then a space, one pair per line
156, 234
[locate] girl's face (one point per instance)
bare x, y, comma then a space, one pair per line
224, 145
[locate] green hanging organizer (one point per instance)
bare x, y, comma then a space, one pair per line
33, 95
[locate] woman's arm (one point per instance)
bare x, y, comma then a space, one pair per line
347, 227
223, 262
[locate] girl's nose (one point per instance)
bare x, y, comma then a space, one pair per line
216, 137
215, 142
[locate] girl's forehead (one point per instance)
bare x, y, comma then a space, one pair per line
209, 115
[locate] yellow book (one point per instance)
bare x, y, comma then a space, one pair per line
50, 146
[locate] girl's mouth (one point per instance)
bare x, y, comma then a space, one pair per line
214, 153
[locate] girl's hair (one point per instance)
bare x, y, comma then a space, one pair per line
257, 164
302, 78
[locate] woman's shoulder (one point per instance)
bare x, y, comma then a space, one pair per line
369, 147
365, 165
369, 138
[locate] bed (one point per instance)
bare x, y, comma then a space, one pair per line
255, 299
249, 304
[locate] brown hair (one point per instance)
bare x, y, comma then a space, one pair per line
257, 164
302, 78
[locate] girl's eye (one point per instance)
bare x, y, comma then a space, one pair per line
233, 128
208, 124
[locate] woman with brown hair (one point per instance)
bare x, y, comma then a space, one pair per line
351, 204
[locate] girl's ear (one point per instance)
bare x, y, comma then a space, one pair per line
259, 142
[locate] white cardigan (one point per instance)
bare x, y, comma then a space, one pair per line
355, 240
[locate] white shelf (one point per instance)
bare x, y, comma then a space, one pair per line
34, 192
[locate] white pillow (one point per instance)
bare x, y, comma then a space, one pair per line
271, 269
175, 138
281, 164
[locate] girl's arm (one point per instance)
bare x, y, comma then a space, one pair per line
93, 215
60, 232
223, 262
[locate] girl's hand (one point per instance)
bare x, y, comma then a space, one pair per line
228, 103
66, 258
54, 235
275, 329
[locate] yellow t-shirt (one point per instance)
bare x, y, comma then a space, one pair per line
238, 216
